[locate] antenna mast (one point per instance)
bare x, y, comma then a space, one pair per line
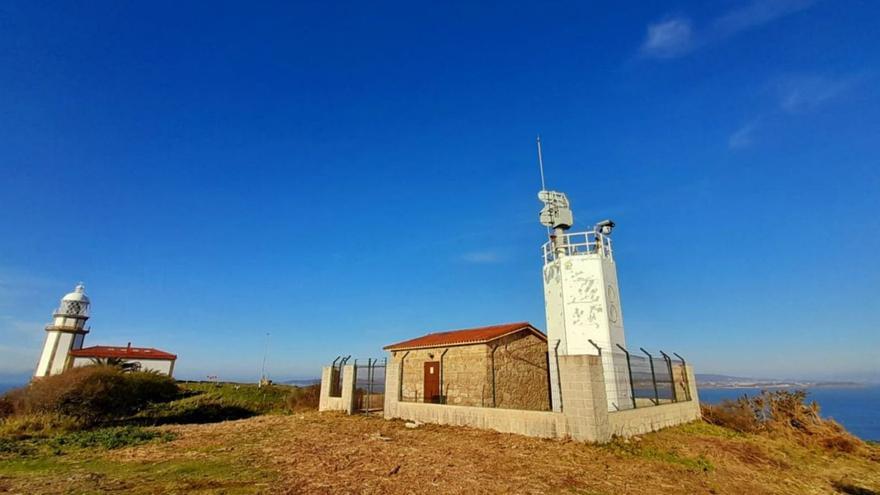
541, 163
263, 369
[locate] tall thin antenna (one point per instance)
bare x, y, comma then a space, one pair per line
265, 354
541, 163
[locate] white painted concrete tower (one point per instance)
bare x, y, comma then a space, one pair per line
582, 299
66, 333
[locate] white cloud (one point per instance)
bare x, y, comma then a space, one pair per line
677, 36
754, 14
483, 257
800, 94
669, 38
743, 137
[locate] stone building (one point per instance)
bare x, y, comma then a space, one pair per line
503, 366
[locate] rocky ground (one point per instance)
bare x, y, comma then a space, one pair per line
332, 453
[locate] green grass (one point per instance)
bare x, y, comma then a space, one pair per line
110, 438
261, 400
72, 442
90, 474
633, 449
203, 402
702, 428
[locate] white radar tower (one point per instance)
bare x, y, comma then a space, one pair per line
581, 295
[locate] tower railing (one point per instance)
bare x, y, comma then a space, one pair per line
577, 244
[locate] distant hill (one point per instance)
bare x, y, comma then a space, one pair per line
725, 381
302, 383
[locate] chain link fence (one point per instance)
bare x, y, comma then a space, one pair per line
641, 380
369, 391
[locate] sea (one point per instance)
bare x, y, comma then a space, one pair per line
856, 408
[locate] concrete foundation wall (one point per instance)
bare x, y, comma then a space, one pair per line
647, 419
344, 403
543, 424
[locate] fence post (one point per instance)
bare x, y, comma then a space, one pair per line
400, 382
558, 378
370, 365
653, 376
629, 370
671, 376
684, 377
442, 395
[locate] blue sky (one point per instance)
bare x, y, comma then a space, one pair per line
347, 176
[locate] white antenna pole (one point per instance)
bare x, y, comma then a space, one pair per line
541, 166
541, 163
265, 353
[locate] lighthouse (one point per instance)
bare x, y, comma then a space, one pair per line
65, 334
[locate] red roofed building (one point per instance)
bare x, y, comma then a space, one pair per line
501, 366
146, 358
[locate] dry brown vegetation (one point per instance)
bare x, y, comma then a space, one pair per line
315, 452
784, 414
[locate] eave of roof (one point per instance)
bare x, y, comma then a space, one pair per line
468, 336
102, 351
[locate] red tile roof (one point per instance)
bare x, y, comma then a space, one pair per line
464, 337
103, 351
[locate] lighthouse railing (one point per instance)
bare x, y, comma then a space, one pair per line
577, 244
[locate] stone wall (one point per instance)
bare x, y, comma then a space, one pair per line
464, 374
520, 364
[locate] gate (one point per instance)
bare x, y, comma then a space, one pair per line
369, 387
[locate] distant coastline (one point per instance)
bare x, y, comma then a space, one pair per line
723, 382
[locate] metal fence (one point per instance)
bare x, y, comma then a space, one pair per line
336, 375
369, 386
643, 380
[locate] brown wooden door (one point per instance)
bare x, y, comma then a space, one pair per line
432, 381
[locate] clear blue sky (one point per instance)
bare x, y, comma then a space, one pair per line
347, 176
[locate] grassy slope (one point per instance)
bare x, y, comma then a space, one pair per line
319, 453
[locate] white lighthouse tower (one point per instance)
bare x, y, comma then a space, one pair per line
581, 298
66, 333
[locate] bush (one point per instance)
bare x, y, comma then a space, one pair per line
782, 413
304, 398
93, 394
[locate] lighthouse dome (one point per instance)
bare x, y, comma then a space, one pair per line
75, 303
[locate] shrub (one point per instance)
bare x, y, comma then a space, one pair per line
93, 394
7, 408
304, 398
782, 413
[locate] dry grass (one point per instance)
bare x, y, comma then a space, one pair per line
784, 414
331, 453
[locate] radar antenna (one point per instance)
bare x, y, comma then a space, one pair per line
556, 213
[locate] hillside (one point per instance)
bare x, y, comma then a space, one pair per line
331, 453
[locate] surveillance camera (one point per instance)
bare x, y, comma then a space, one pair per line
604, 227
